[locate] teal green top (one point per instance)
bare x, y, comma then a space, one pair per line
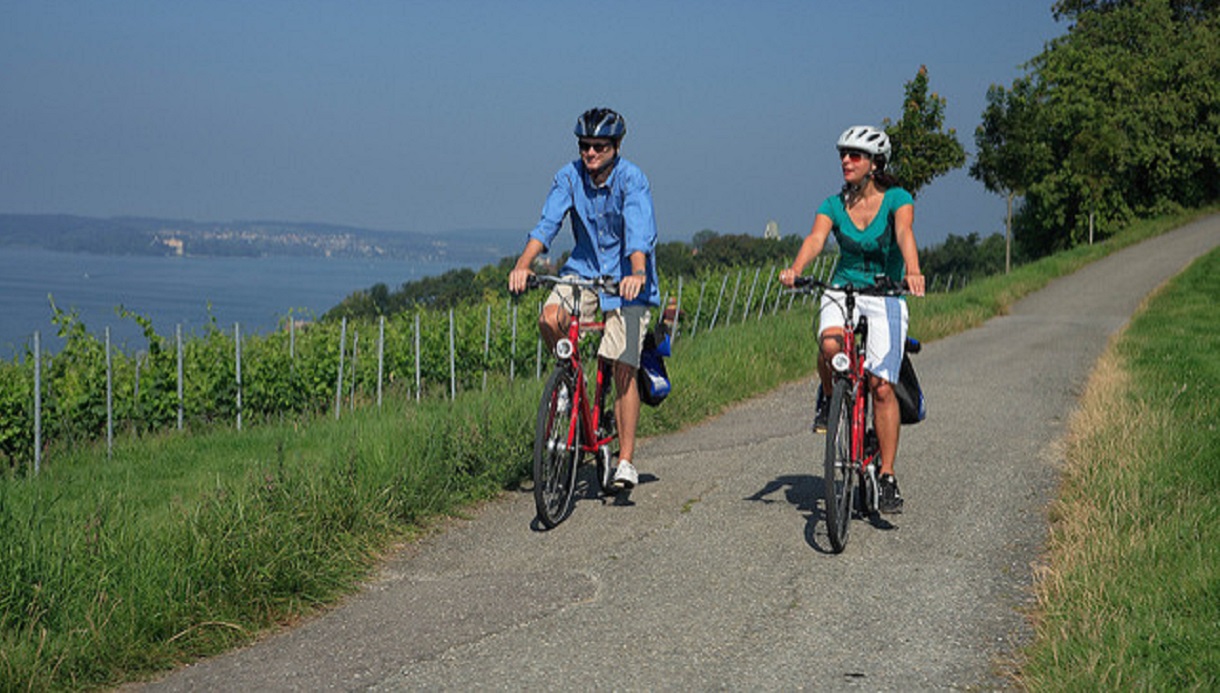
865, 253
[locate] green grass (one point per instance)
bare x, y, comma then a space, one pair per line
1129, 597
181, 546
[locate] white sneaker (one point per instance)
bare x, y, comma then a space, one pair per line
626, 476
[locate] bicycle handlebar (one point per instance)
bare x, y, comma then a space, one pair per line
882, 288
886, 288
605, 285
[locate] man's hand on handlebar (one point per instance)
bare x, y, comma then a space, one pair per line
518, 280
630, 286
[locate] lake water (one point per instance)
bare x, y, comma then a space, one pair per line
255, 292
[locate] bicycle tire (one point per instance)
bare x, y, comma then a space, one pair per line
554, 459
839, 473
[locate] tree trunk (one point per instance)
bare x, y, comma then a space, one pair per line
1008, 236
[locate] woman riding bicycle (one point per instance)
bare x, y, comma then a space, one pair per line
871, 220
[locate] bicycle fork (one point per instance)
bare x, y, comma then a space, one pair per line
868, 471
866, 453
591, 423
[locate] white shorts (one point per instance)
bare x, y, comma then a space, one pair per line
887, 329
623, 339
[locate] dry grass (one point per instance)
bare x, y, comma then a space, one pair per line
1128, 594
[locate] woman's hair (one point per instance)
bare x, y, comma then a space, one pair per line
881, 177
885, 179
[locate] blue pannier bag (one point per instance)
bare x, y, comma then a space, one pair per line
653, 378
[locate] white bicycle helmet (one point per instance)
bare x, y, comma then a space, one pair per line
865, 138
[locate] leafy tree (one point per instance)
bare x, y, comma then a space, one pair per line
922, 150
1128, 108
1010, 154
675, 258
729, 250
379, 294
735, 250
701, 238
1182, 9
964, 257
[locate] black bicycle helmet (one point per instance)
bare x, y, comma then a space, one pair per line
601, 122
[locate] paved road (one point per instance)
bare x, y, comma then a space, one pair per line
717, 575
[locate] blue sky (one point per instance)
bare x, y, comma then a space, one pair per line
455, 114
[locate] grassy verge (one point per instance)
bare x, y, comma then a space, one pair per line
1129, 598
184, 546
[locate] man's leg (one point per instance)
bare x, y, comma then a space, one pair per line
626, 408
553, 324
623, 339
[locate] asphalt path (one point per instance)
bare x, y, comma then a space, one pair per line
715, 573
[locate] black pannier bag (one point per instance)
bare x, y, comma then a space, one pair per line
911, 402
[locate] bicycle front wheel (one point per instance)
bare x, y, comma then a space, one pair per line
556, 448
839, 474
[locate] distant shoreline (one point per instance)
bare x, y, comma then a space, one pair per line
151, 237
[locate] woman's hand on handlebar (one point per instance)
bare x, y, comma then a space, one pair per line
915, 284
788, 277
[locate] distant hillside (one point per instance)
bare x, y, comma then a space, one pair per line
144, 236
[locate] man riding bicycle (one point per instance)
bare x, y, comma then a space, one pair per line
871, 219
609, 203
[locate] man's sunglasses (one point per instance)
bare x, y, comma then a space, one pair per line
598, 147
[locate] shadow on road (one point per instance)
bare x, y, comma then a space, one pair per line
805, 492
589, 489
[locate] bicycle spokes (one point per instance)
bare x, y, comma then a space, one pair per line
839, 470
556, 449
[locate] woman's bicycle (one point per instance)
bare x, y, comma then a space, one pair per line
571, 425
853, 455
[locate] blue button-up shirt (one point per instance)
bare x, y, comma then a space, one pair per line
610, 222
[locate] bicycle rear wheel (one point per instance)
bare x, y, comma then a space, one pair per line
556, 448
607, 455
839, 473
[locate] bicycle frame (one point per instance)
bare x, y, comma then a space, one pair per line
854, 340
570, 423
852, 448
587, 416
848, 367
567, 350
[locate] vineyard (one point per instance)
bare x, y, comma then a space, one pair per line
90, 392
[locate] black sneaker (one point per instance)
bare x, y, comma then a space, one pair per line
891, 498
822, 413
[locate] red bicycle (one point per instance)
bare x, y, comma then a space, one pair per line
853, 455
571, 425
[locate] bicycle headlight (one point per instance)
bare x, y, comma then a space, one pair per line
563, 348
840, 362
